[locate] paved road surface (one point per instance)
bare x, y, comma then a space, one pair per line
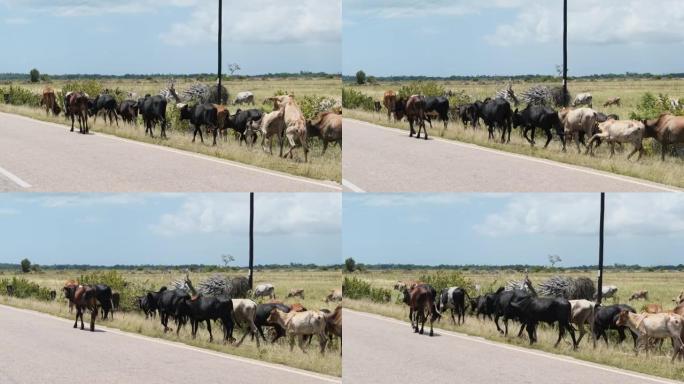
38, 348
40, 156
381, 159
381, 350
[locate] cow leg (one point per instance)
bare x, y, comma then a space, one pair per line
215, 132
211, 337
93, 315
76, 321
662, 152
522, 327
526, 129
496, 321
452, 316
549, 136
325, 146
530, 332
322, 341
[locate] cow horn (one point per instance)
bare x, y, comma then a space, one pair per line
181, 105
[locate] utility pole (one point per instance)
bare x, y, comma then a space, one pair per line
220, 33
251, 240
565, 53
599, 294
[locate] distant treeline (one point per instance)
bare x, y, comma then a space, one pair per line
191, 267
536, 78
134, 76
522, 267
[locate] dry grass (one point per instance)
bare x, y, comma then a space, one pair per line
662, 288
321, 167
670, 172
315, 283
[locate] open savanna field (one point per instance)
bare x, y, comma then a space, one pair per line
322, 167
630, 91
316, 284
662, 288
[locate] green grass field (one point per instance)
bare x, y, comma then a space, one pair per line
322, 167
650, 167
662, 287
316, 284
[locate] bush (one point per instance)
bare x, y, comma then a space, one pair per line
20, 96
91, 87
360, 77
118, 283
25, 289
35, 75
443, 279
26, 266
651, 106
354, 288
354, 99
429, 88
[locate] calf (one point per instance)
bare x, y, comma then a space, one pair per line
389, 100
453, 298
377, 106
265, 290
200, 115
327, 126
241, 123
619, 131
204, 308
533, 310
49, 101
538, 116
612, 101
301, 324
582, 312
468, 114
638, 295
657, 326
334, 295
105, 103
294, 292
263, 311
605, 318
76, 107
583, 99
245, 97
153, 111
128, 110
244, 312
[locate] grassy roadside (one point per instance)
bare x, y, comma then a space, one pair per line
620, 357
327, 167
316, 284
670, 172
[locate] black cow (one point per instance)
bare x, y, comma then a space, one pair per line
53, 295
128, 110
605, 318
105, 103
261, 320
468, 114
377, 106
207, 308
538, 116
483, 305
153, 111
199, 115
502, 308
145, 305
533, 310
438, 106
10, 290
116, 300
242, 120
602, 117
453, 298
496, 113
103, 294
168, 304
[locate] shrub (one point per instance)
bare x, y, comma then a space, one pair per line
429, 88
360, 77
354, 288
651, 106
445, 279
35, 75
25, 289
354, 99
118, 283
20, 96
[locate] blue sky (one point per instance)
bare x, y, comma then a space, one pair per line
519, 228
173, 36
170, 229
508, 37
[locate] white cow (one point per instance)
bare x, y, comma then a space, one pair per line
244, 314
576, 121
265, 290
582, 312
620, 131
301, 324
245, 97
656, 326
583, 99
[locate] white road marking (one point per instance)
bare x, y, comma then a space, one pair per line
184, 346
538, 160
547, 355
14, 178
352, 186
195, 155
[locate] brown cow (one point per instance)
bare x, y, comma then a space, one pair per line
389, 100
82, 297
639, 295
327, 126
49, 101
652, 308
577, 122
666, 129
294, 292
333, 324
76, 105
295, 125
414, 111
222, 114
612, 101
421, 299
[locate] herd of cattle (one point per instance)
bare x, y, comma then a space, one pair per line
648, 328
286, 122
186, 305
579, 122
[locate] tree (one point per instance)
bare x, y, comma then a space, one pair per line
349, 265
360, 77
25, 266
553, 259
35, 75
234, 67
227, 259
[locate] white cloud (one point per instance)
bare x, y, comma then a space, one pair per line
60, 200
16, 20
8, 212
405, 199
76, 8
578, 215
275, 214
261, 21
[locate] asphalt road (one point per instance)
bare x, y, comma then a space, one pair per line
46, 157
382, 350
38, 348
381, 159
